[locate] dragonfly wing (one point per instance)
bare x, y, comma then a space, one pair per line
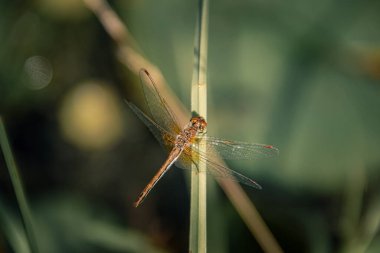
215, 167
165, 138
219, 170
158, 107
235, 149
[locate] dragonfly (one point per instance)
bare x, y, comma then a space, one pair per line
186, 145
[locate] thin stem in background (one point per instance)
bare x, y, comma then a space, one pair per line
26, 215
358, 226
130, 57
250, 216
198, 192
134, 62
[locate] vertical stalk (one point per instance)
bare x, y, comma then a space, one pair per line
26, 214
198, 205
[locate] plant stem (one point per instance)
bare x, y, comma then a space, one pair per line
26, 214
198, 211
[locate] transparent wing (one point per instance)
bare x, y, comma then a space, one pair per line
235, 149
219, 170
215, 167
165, 138
159, 109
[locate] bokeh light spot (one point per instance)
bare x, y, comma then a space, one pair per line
90, 116
63, 9
39, 72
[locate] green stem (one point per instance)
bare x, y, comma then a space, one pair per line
198, 211
26, 214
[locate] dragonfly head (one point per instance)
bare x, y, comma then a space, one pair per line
199, 123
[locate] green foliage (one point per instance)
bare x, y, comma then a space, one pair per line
301, 75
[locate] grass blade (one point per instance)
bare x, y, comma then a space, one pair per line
198, 205
26, 214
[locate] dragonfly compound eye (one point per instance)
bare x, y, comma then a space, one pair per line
194, 121
202, 124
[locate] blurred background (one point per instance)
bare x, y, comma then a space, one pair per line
301, 75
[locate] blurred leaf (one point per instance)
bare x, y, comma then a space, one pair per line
13, 230
71, 224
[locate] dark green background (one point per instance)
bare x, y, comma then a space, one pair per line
301, 75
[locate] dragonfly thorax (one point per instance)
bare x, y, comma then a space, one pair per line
185, 138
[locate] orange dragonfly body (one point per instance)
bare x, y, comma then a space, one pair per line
184, 144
